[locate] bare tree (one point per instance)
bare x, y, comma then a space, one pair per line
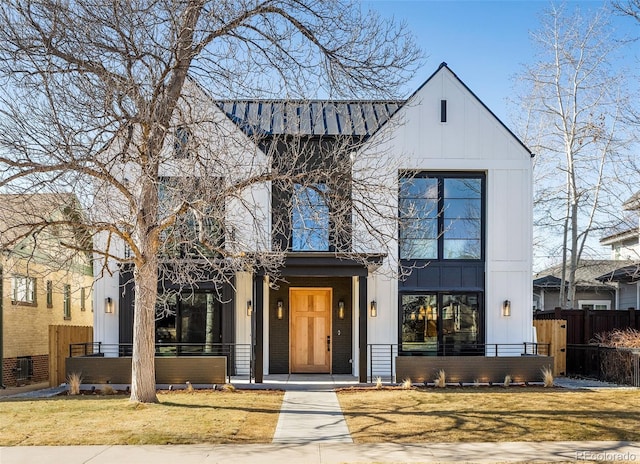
573, 101
118, 102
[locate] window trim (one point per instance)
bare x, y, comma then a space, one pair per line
441, 176
49, 294
67, 302
593, 303
31, 290
326, 223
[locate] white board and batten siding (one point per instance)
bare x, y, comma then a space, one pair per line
472, 139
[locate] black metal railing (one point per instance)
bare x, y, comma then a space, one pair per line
240, 360
604, 363
381, 356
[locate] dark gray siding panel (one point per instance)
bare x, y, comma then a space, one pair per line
446, 276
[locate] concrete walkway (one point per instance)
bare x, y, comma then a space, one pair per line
311, 414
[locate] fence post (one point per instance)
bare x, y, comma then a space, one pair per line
557, 312
586, 324
633, 319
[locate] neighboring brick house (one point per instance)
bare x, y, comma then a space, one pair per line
44, 282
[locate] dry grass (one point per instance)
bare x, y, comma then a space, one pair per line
441, 380
179, 418
490, 414
379, 383
407, 384
507, 380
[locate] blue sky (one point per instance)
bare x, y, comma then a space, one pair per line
484, 42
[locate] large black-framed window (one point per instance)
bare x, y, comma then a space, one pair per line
441, 216
441, 323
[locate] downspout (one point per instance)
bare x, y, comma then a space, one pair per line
2, 385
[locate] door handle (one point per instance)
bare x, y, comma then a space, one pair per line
328, 342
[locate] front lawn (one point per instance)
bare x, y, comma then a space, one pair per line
488, 414
179, 417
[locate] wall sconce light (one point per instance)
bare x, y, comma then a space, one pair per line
280, 312
249, 308
341, 309
506, 308
108, 305
374, 308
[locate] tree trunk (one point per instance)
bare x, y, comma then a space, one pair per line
143, 378
145, 276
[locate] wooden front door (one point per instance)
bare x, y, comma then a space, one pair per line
310, 342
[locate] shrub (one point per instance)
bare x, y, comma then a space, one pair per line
108, 390
547, 377
189, 387
441, 380
407, 384
507, 380
379, 383
74, 381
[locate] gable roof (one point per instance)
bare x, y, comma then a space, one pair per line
22, 215
444, 65
587, 274
309, 118
361, 118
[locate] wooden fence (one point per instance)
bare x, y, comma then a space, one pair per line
554, 332
60, 337
584, 324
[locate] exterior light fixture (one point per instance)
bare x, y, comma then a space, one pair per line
506, 308
280, 312
249, 308
373, 308
341, 309
108, 305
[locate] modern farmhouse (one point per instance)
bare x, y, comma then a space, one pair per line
428, 255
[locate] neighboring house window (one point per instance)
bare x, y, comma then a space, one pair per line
83, 295
441, 216
181, 142
24, 289
67, 301
309, 218
594, 304
49, 294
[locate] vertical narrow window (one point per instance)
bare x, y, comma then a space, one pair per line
83, 294
49, 294
443, 110
309, 218
67, 301
181, 142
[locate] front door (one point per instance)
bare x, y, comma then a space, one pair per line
310, 330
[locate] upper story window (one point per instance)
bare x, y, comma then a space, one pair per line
441, 216
23, 289
309, 218
181, 142
197, 231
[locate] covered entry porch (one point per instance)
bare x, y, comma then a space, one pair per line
314, 317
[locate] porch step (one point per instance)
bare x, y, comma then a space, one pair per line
311, 416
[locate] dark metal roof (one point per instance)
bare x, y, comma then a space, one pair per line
310, 118
627, 274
